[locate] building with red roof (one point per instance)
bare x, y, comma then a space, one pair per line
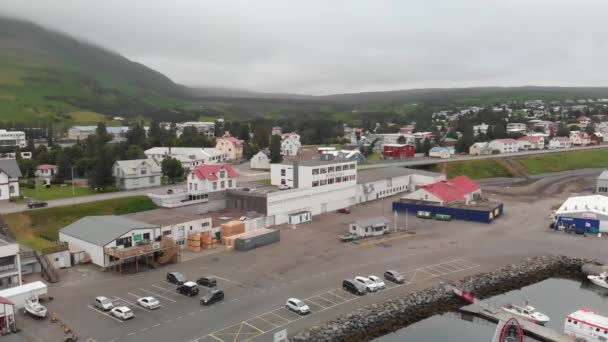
583, 121
211, 178
460, 188
398, 151
504, 145
531, 142
560, 142
579, 138
232, 146
46, 170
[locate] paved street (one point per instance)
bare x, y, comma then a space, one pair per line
308, 263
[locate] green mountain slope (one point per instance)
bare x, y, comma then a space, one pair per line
46, 75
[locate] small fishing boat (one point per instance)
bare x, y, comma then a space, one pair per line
599, 280
526, 312
511, 331
34, 308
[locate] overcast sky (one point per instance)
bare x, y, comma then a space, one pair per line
332, 46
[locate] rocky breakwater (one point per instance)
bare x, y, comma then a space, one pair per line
376, 320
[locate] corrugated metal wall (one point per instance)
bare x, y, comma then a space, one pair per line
476, 215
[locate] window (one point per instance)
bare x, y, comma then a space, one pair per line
338, 168
195, 186
323, 170
315, 184
214, 185
330, 169
330, 181
152, 180
353, 166
166, 232
222, 174
143, 171
315, 172
323, 182
283, 172
11, 189
338, 179
230, 183
345, 179
147, 236
283, 182
223, 185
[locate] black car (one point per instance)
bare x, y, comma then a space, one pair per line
394, 276
212, 296
189, 289
354, 287
36, 204
207, 281
176, 278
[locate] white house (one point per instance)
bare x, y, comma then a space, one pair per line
480, 148
202, 127
12, 138
291, 145
372, 226
313, 173
504, 145
10, 264
483, 129
105, 238
211, 178
531, 142
190, 157
560, 142
440, 152
260, 161
516, 127
135, 174
579, 138
9, 179
384, 182
46, 170
460, 188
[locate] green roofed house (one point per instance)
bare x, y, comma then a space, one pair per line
112, 240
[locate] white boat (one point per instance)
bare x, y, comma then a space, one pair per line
526, 312
587, 325
599, 280
34, 308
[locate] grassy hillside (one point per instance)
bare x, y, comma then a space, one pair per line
556, 162
475, 169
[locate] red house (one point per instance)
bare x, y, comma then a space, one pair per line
398, 151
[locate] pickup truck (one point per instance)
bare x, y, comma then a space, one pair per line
349, 237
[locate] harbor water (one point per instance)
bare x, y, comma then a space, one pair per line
554, 297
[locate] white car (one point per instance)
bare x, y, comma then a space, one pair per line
297, 305
369, 284
284, 187
103, 303
379, 282
122, 312
149, 303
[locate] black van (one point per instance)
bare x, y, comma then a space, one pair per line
207, 281
189, 289
353, 287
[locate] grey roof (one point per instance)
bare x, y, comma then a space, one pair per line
373, 175
372, 221
11, 167
318, 162
165, 216
604, 175
128, 166
101, 230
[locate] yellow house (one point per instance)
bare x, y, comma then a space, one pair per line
231, 146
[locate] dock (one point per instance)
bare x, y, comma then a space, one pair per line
499, 316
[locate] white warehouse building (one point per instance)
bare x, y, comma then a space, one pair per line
379, 183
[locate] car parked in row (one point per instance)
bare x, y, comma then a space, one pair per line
394, 276
188, 288
214, 295
369, 285
207, 281
36, 204
379, 283
149, 303
122, 312
354, 287
176, 278
103, 303
297, 306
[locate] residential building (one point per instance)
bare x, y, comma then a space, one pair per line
440, 152
483, 129
10, 263
136, 174
313, 173
449, 142
398, 151
291, 145
379, 183
260, 161
602, 184
579, 138
461, 189
516, 127
372, 226
388, 138
409, 129
588, 213
109, 240
531, 142
276, 130
547, 126
12, 155
190, 157
211, 178
583, 121
46, 170
560, 142
343, 155
480, 149
202, 127
9, 179
596, 138
504, 145
12, 139
82, 132
232, 146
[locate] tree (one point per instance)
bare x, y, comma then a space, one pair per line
590, 129
27, 167
401, 140
426, 146
101, 176
135, 152
539, 129
136, 136
249, 150
563, 131
101, 134
243, 133
275, 149
172, 169
575, 128
155, 134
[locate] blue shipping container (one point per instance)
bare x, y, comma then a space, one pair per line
467, 214
590, 225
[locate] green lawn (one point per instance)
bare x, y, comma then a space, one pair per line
374, 157
263, 181
556, 162
28, 224
55, 192
475, 169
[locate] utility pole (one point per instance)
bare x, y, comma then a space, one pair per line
406, 220
73, 191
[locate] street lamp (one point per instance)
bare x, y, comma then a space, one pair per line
73, 191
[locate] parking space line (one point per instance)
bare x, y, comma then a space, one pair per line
254, 327
281, 317
228, 280
127, 302
337, 295
163, 289
321, 296
452, 267
267, 321
105, 314
442, 268
431, 273
463, 262
159, 295
317, 304
213, 337
133, 294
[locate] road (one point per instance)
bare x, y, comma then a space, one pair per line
308, 263
430, 161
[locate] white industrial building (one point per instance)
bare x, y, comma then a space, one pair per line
504, 145
584, 212
12, 138
9, 179
379, 183
202, 127
601, 186
190, 157
314, 173
10, 264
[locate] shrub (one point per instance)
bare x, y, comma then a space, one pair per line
31, 184
57, 180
